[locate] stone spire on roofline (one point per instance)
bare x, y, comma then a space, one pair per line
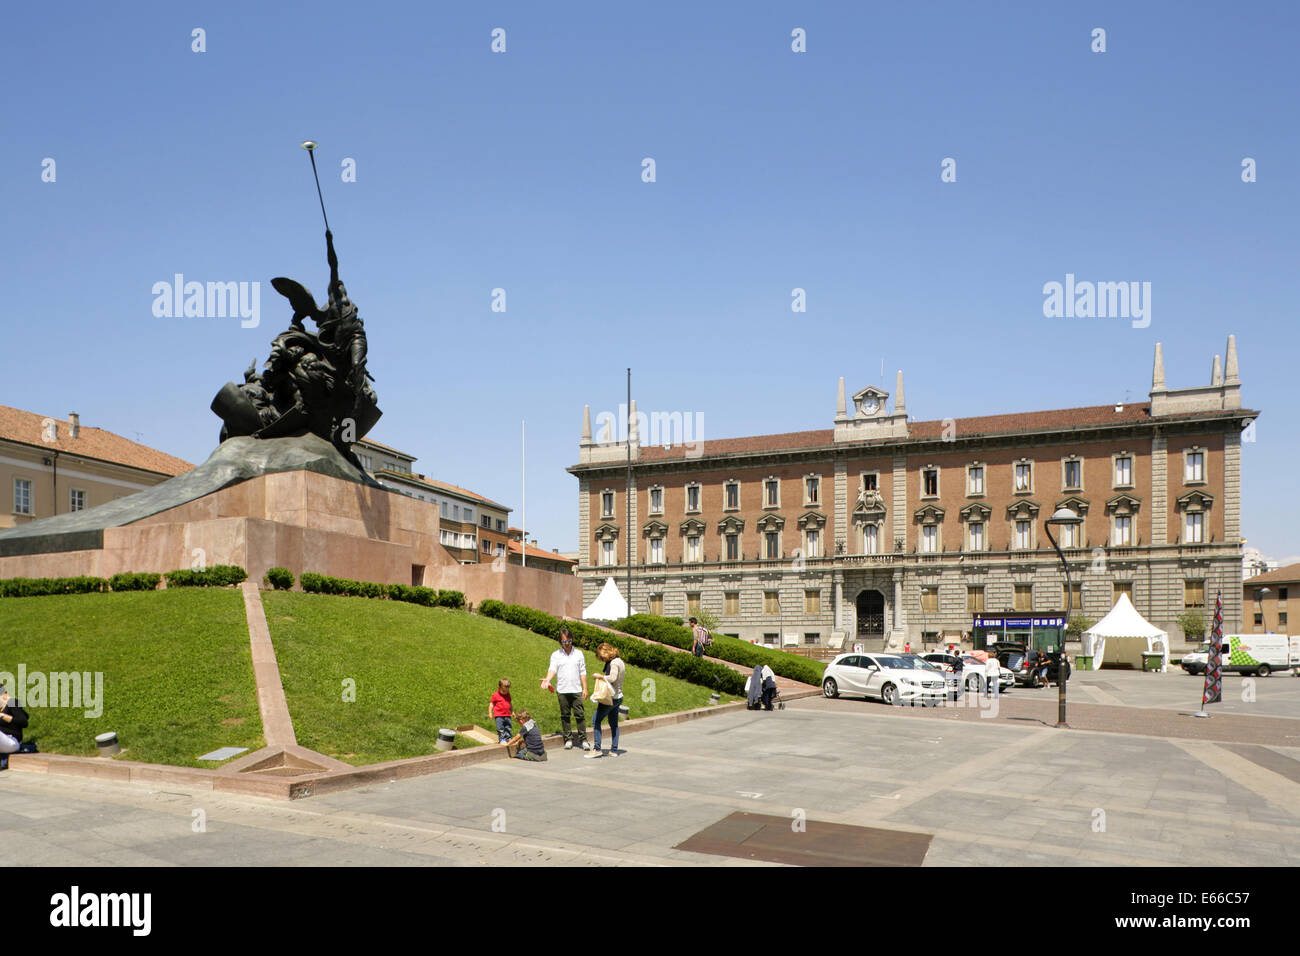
586, 423
841, 410
900, 406
1216, 373
1158, 370
1230, 363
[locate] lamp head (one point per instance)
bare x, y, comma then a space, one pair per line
308, 145
1064, 516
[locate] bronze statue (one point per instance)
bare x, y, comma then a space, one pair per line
312, 382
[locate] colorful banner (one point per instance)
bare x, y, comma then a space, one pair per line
1213, 692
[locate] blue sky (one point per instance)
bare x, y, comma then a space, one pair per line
774, 170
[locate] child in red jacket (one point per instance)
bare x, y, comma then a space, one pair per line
501, 710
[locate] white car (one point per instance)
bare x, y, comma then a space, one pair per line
886, 676
972, 671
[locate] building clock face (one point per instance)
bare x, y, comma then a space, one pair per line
869, 404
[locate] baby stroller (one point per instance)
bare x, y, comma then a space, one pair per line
768, 695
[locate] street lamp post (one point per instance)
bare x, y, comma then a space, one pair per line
1063, 516
924, 592
1259, 603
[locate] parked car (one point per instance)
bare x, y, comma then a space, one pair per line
972, 671
1026, 664
922, 662
1258, 654
888, 677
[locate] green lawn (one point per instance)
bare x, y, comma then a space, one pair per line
417, 669
177, 670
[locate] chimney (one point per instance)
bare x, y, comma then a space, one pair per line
74, 424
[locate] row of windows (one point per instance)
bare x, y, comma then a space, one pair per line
455, 539
1022, 483
1023, 599
812, 603
1023, 538
25, 500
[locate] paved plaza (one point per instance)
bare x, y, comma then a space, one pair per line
1001, 790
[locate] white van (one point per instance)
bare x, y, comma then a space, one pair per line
1258, 654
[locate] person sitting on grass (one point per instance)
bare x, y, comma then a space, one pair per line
501, 707
12, 721
529, 738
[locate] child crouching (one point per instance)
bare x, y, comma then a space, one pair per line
527, 744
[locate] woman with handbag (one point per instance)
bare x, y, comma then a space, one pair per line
608, 697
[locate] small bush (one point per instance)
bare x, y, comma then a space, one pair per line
1193, 625
670, 631
134, 582
217, 576
280, 578
37, 587
314, 583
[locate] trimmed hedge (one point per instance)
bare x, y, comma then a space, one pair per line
670, 631
636, 653
314, 583
36, 587
217, 576
134, 582
280, 578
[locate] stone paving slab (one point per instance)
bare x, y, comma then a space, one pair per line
989, 792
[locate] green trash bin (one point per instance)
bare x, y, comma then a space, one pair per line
1152, 662
1083, 661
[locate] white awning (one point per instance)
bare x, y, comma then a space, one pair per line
609, 605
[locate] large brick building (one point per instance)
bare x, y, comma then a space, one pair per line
886, 528
1264, 601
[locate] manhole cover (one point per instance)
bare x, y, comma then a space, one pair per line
760, 836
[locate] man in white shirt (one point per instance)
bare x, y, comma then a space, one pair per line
568, 668
992, 670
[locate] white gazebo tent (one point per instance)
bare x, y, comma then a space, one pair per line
608, 606
1123, 636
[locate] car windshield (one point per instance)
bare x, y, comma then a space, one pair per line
895, 662
918, 663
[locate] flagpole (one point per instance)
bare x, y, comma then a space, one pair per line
523, 494
627, 494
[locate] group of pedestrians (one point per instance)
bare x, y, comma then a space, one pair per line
566, 677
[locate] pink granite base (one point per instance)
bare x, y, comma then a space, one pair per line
304, 521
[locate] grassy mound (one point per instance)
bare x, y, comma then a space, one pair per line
417, 669
177, 671
671, 631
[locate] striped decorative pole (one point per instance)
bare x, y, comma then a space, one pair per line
1213, 692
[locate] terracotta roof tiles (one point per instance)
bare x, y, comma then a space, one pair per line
1283, 575
27, 427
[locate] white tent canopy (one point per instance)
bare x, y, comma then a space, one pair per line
1123, 636
608, 606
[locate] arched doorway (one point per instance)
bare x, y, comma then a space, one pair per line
871, 614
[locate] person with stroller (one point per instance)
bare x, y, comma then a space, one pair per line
760, 687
